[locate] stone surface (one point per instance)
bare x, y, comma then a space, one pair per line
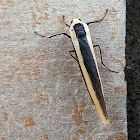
132, 68
42, 93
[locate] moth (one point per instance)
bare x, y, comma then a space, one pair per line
85, 56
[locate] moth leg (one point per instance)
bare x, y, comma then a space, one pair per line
54, 35
73, 56
98, 20
60, 34
102, 59
40, 35
65, 22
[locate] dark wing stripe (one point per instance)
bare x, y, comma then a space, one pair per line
92, 71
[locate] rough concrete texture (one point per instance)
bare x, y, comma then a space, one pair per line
132, 68
42, 93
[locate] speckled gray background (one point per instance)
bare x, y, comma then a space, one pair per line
42, 93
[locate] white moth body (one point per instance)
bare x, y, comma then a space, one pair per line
100, 107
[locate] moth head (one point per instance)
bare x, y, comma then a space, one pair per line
75, 21
79, 30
